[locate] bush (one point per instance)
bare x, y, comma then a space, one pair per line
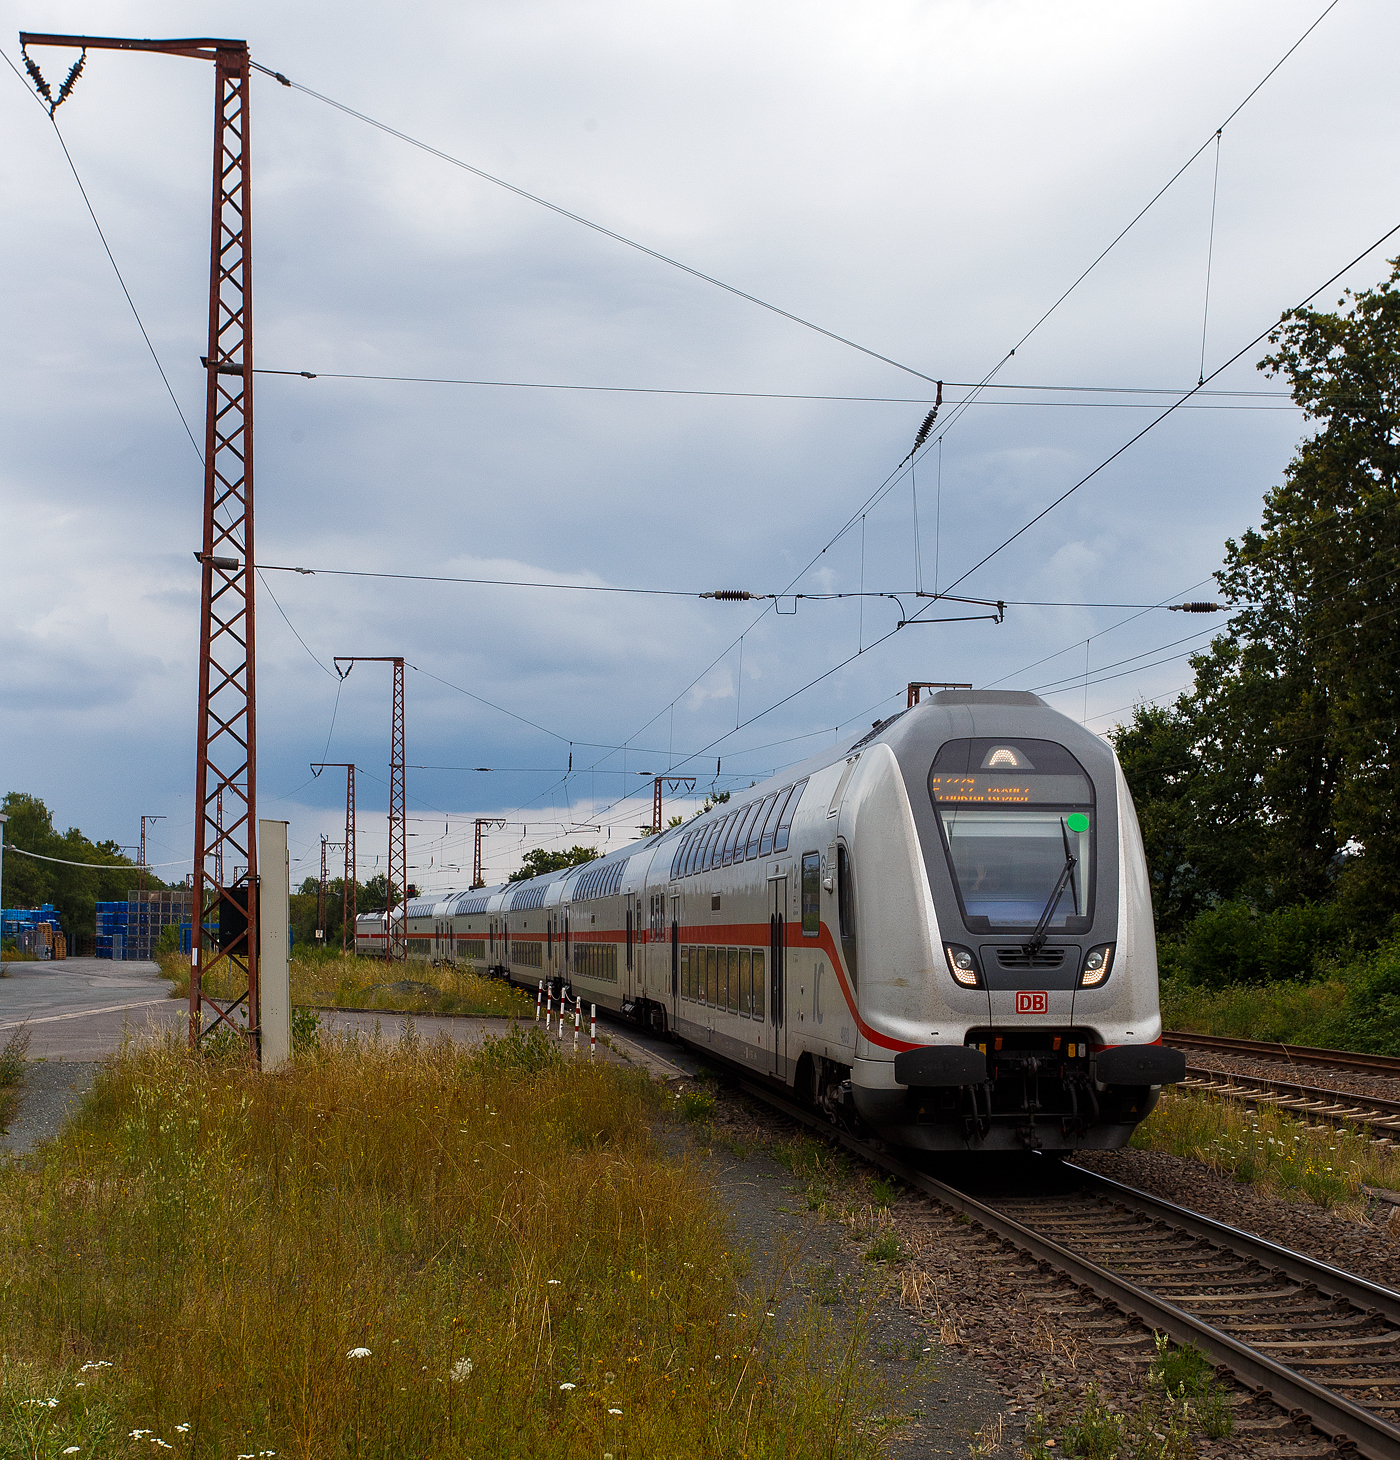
1235, 944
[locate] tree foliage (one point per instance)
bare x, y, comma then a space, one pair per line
1276, 779
74, 891
539, 861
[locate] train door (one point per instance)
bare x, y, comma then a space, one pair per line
777, 973
675, 958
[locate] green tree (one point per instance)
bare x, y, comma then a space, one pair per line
1276, 779
74, 891
539, 861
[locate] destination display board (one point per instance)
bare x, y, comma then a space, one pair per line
1000, 789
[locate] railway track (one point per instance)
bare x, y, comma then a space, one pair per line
1294, 1054
1323, 1344
1380, 1118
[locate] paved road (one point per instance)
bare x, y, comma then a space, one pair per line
78, 1008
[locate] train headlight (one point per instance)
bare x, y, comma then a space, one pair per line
1098, 962
962, 964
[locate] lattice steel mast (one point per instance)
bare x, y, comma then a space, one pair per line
396, 920
226, 755
350, 897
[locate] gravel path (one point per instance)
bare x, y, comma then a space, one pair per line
51, 1092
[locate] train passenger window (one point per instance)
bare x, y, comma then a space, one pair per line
811, 894
727, 856
741, 838
770, 825
760, 983
745, 984
678, 859
707, 994
734, 979
789, 811
692, 845
702, 837
756, 829
629, 932
719, 988
717, 842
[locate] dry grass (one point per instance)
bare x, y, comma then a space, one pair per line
528, 1276
334, 980
1269, 1149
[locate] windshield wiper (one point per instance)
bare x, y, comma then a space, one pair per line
1037, 940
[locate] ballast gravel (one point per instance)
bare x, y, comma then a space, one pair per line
1359, 1240
1017, 1348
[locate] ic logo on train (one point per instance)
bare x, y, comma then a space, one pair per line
1034, 1002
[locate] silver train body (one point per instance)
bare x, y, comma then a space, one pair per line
941, 932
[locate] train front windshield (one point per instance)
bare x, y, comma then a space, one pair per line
1017, 818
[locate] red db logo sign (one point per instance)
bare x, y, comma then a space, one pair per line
1034, 1002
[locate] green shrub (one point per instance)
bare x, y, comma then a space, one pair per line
1234, 944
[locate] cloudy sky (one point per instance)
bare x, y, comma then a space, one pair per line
923, 179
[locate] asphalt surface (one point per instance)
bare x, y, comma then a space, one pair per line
79, 1008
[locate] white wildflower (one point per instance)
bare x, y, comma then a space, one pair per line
161, 1443
460, 1370
358, 1353
614, 1411
567, 1385
96, 1364
139, 1434
554, 1282
71, 1450
182, 1429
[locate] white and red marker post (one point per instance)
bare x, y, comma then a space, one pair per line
539, 1000
592, 1031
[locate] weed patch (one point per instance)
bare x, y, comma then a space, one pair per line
1269, 1149
390, 1249
12, 1055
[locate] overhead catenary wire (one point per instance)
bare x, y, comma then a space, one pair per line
589, 223
901, 400
631, 243
111, 259
1170, 410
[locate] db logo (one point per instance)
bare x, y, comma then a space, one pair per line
1032, 1003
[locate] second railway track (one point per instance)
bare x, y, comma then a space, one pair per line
1322, 1343
1386, 1066
1380, 1118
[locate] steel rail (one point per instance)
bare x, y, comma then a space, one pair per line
1298, 1054
1343, 1108
1332, 1413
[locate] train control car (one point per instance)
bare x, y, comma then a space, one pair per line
941, 932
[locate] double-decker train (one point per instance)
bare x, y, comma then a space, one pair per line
942, 932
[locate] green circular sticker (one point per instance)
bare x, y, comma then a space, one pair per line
1077, 822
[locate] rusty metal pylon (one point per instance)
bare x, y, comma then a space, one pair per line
396, 919
226, 754
349, 891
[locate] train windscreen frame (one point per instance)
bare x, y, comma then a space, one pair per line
1018, 825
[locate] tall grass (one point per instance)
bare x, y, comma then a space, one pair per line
326, 978
1269, 1149
391, 1250
1291, 1013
